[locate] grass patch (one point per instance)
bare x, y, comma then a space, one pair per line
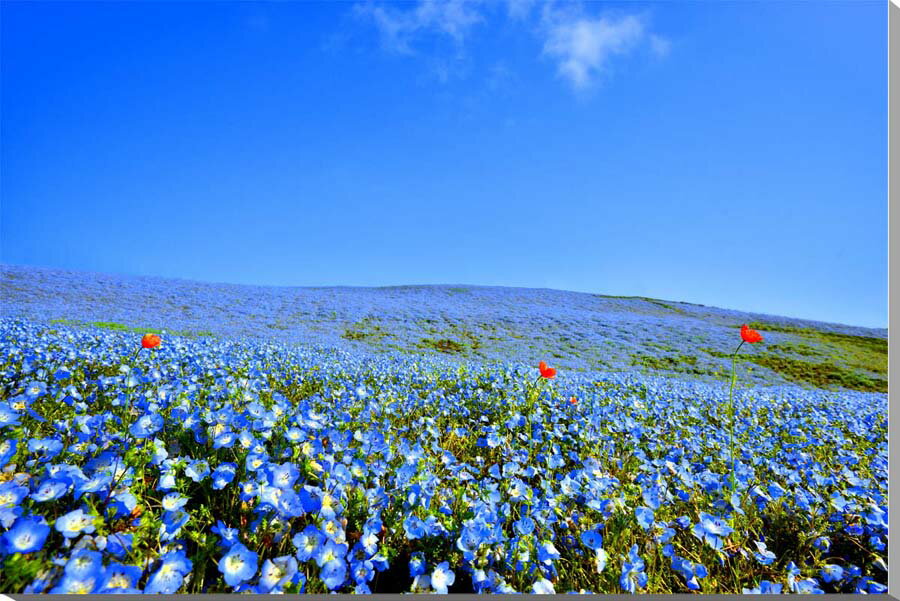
119, 327
676, 363
444, 345
364, 329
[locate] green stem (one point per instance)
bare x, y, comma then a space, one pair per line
731, 411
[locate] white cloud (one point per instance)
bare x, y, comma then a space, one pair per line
660, 46
398, 28
582, 46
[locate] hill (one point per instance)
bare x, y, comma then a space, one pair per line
572, 330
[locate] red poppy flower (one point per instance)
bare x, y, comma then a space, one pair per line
150, 341
573, 401
750, 335
546, 372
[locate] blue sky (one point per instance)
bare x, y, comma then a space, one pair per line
730, 154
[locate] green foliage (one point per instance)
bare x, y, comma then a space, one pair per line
364, 329
444, 345
118, 327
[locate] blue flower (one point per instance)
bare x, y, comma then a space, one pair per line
227, 536
832, 573
173, 501
416, 564
633, 575
644, 517
147, 425
277, 573
442, 577
120, 578
73, 585
238, 564
711, 530
84, 563
74, 523
763, 555
333, 572
308, 542
809, 586
197, 470
282, 476
592, 539
223, 475
174, 566
414, 527
8, 449
27, 535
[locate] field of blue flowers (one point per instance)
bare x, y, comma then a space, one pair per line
234, 456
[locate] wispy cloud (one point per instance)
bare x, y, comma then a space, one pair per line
400, 27
583, 46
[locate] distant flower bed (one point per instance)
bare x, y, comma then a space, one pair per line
170, 464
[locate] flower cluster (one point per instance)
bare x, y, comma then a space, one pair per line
220, 465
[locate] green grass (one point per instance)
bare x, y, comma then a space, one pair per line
119, 327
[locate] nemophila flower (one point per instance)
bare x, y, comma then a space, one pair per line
442, 577
84, 564
172, 523
282, 476
224, 440
149, 341
809, 586
50, 490
750, 335
8, 417
633, 576
417, 564
35, 389
711, 530
147, 425
238, 564
27, 535
227, 536
547, 553
71, 585
592, 539
118, 577
50, 447
276, 573
413, 527
8, 515
223, 475
8, 450
173, 501
832, 573
333, 573
689, 571
74, 523
644, 517
168, 578
543, 587
763, 555
308, 542
546, 372
117, 544
197, 470
600, 560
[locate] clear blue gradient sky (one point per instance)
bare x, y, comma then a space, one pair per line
730, 154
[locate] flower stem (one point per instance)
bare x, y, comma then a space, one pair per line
731, 411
